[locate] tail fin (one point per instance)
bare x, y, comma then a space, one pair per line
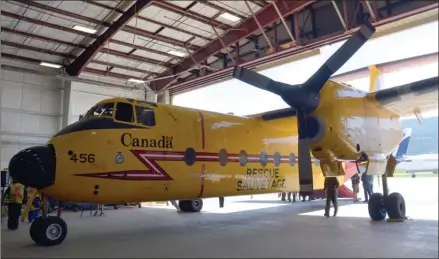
400, 152
375, 83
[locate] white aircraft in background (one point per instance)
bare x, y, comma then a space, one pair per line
426, 163
417, 163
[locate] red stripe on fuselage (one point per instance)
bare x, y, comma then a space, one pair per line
150, 159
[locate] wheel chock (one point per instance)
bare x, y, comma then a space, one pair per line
399, 220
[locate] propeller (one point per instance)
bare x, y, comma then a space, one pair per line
305, 98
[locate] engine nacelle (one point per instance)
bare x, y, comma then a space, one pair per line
340, 118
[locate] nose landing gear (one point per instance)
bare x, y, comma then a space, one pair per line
48, 230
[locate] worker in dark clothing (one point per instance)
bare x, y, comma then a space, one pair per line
355, 186
331, 189
367, 186
295, 196
16, 196
283, 195
289, 196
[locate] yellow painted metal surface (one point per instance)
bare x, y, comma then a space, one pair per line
191, 154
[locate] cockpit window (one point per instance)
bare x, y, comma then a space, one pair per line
145, 116
124, 112
101, 110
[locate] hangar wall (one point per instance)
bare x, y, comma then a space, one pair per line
32, 107
31, 111
83, 96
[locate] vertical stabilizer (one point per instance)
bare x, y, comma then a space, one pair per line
400, 152
376, 79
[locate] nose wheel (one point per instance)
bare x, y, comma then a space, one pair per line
48, 231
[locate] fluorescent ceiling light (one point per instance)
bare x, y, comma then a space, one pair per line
230, 17
84, 29
136, 81
46, 64
177, 53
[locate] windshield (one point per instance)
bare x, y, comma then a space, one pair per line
101, 110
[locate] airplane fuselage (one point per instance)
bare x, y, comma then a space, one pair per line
190, 154
420, 163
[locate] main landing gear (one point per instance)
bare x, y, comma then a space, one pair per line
391, 204
191, 205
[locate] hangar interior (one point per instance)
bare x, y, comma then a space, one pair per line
149, 48
59, 58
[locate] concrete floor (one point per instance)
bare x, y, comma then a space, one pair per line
258, 227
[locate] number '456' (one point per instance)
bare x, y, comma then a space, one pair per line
83, 158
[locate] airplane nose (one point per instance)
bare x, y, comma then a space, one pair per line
34, 167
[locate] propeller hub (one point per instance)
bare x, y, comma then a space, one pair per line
301, 99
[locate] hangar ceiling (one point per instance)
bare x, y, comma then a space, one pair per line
180, 45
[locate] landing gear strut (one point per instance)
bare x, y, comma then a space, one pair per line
48, 230
391, 204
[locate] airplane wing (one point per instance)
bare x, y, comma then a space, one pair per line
276, 114
410, 99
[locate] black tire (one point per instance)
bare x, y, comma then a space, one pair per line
191, 205
48, 231
377, 210
395, 206
184, 205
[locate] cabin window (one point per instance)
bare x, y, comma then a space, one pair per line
145, 116
124, 112
223, 157
243, 158
101, 110
276, 159
263, 158
292, 159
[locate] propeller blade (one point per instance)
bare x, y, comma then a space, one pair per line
257, 80
339, 58
305, 166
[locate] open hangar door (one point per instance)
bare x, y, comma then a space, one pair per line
31, 111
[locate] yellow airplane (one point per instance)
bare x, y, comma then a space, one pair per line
124, 150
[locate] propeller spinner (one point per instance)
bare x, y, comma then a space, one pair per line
305, 98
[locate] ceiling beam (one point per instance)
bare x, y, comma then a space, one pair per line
117, 10
266, 16
43, 38
87, 69
36, 49
190, 14
222, 9
126, 28
70, 30
81, 62
68, 56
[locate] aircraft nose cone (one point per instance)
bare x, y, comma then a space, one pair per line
34, 167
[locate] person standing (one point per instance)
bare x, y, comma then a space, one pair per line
331, 186
356, 186
367, 186
16, 196
34, 211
